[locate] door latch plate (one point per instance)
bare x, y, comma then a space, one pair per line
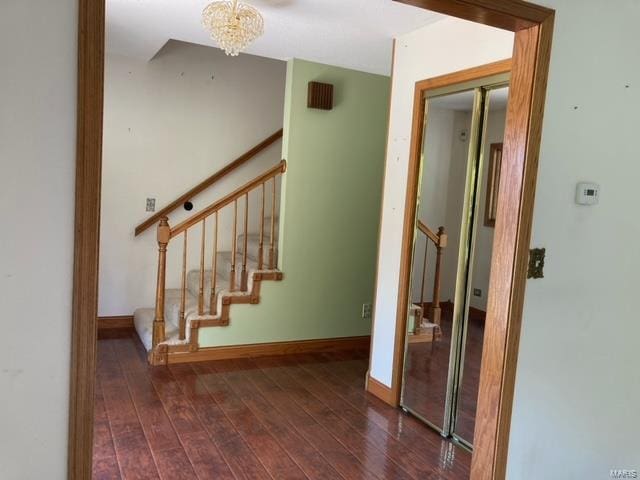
536, 263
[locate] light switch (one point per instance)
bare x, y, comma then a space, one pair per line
151, 204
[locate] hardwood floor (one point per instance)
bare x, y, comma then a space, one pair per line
289, 417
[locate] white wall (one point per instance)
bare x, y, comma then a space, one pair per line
418, 55
37, 168
578, 381
169, 124
484, 239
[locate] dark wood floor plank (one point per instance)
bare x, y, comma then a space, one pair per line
420, 464
174, 465
132, 450
303, 416
453, 462
267, 449
312, 463
236, 453
341, 459
105, 468
205, 457
360, 445
155, 422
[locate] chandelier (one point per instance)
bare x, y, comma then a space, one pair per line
232, 25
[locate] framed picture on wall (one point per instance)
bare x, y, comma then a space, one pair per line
493, 183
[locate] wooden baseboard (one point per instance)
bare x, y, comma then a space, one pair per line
380, 390
475, 314
276, 348
121, 321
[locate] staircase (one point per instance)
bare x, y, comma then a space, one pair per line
426, 316
224, 276
174, 311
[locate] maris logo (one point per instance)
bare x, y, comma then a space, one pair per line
623, 473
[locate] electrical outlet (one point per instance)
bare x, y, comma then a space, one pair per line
477, 292
151, 204
366, 310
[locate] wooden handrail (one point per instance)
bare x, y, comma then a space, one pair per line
428, 232
232, 197
153, 219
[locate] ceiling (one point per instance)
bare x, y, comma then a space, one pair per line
349, 33
463, 101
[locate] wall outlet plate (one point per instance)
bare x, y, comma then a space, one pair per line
366, 310
151, 204
477, 292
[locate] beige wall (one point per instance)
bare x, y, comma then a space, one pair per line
37, 169
169, 124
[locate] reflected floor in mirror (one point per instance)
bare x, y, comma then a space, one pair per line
427, 371
297, 416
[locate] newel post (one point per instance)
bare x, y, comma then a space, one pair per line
164, 233
435, 307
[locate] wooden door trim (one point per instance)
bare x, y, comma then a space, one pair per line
533, 27
91, 26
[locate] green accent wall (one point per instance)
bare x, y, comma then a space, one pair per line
331, 198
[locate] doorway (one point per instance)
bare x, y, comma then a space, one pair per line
533, 25
462, 133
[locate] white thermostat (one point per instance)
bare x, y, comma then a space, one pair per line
587, 193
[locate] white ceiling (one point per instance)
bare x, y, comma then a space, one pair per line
349, 33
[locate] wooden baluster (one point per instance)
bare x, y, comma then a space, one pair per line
234, 240
435, 307
182, 321
272, 252
213, 301
424, 272
163, 236
201, 286
244, 282
261, 245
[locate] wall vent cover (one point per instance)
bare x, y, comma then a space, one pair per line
320, 95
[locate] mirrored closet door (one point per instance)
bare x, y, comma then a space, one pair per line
455, 214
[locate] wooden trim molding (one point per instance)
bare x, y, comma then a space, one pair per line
514, 15
463, 76
224, 171
276, 348
521, 148
91, 27
381, 391
119, 321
